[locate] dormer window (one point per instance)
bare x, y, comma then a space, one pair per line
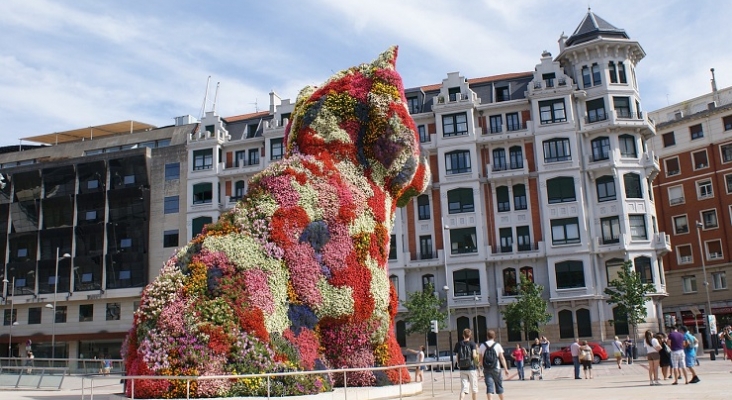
549, 79
502, 94
454, 94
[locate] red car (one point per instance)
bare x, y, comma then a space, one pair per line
564, 355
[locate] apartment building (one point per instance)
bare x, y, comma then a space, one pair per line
694, 204
545, 173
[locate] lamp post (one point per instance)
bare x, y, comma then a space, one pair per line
12, 298
449, 323
477, 327
708, 314
53, 307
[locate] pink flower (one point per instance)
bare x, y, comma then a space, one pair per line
260, 295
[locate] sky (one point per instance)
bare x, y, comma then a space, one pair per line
72, 64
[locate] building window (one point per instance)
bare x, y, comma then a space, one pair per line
643, 269
586, 80
516, 157
669, 139
428, 281
253, 156
276, 149
393, 248
460, 201
170, 204
34, 315
455, 124
596, 75
681, 224
688, 284
627, 146
565, 231
570, 274
552, 111
506, 238
728, 183
605, 188
463, 241
60, 314
584, 323
413, 104
202, 159
620, 322
700, 160
610, 230
557, 150
633, 189
596, 110
202, 193
113, 311
512, 122
560, 190
499, 160
423, 207
709, 219
714, 250
704, 189
612, 269
496, 122
683, 254
502, 200
727, 122
726, 150
621, 73
613, 70
172, 171
502, 94
423, 136
549, 79
696, 132
622, 107
638, 226
519, 197
566, 324
672, 166
457, 162
394, 280
523, 240
509, 282
467, 282
600, 148
676, 195
719, 280
86, 312
170, 238
425, 247
197, 225
240, 189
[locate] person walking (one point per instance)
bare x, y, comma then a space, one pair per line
586, 358
574, 348
493, 360
618, 351
628, 346
519, 354
678, 359
665, 353
29, 362
466, 356
652, 348
419, 370
545, 352
727, 337
690, 345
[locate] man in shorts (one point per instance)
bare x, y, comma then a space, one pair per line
678, 359
493, 378
468, 373
690, 353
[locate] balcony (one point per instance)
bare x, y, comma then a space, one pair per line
685, 260
243, 168
219, 136
649, 161
714, 256
516, 252
662, 243
506, 170
601, 121
423, 260
505, 133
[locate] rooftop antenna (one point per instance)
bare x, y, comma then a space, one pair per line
216, 96
256, 107
715, 95
205, 99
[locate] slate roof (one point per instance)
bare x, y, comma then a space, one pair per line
593, 26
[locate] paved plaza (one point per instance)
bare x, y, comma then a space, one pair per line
609, 383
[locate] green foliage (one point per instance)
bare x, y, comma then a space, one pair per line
529, 310
628, 292
423, 307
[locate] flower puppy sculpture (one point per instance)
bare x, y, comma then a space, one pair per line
295, 276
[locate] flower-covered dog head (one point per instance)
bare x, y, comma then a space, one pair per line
360, 115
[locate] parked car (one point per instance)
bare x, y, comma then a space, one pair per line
443, 358
564, 355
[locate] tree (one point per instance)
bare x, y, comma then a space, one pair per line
528, 312
628, 292
423, 306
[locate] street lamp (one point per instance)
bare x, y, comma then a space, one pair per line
53, 307
12, 301
449, 322
708, 314
477, 327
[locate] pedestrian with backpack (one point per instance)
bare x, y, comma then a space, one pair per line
492, 360
467, 354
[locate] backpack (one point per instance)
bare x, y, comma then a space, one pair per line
465, 356
490, 358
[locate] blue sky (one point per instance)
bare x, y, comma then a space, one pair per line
71, 64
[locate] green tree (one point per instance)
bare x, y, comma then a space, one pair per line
423, 306
628, 292
528, 312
